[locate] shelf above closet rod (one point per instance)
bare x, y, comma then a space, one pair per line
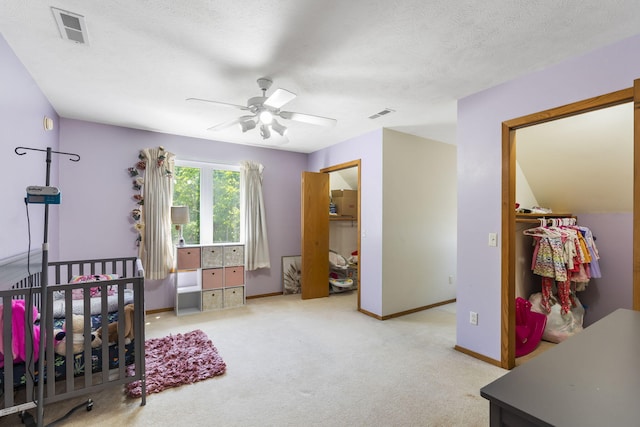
534, 218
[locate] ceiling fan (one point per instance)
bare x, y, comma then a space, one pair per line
264, 111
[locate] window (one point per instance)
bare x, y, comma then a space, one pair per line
212, 193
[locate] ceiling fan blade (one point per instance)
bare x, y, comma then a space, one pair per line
230, 123
226, 104
279, 98
307, 118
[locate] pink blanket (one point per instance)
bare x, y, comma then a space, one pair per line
19, 332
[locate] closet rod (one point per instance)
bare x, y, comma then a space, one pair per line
534, 218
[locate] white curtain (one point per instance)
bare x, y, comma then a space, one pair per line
156, 247
255, 221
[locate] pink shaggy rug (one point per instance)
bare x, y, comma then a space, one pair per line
176, 360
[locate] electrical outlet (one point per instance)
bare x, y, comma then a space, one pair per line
473, 317
451, 280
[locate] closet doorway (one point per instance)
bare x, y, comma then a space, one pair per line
316, 228
344, 232
509, 129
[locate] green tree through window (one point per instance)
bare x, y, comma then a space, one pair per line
186, 192
226, 206
213, 197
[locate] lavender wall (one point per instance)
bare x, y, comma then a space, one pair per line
95, 220
615, 245
367, 148
22, 110
479, 171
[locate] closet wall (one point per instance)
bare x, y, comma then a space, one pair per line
615, 243
343, 237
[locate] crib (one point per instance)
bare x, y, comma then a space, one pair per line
78, 373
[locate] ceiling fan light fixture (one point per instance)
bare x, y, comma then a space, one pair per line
265, 132
266, 117
247, 125
276, 126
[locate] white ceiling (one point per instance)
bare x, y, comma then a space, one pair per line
344, 59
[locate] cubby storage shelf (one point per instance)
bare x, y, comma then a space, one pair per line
209, 277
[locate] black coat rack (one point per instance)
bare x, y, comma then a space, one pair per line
43, 278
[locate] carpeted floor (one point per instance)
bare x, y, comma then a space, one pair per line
317, 362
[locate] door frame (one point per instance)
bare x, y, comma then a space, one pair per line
347, 165
508, 274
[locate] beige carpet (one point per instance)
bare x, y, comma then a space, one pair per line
310, 363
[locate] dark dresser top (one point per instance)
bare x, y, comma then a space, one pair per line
591, 379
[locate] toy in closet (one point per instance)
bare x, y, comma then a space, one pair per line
343, 255
343, 272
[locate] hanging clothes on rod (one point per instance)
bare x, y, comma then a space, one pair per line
564, 254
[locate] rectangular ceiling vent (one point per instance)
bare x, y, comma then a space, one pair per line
71, 26
382, 113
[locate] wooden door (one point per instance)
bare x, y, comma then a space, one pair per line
315, 235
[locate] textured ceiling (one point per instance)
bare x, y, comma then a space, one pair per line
344, 59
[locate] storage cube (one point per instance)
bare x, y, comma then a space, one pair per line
212, 256
209, 277
233, 255
188, 281
233, 276
188, 258
187, 303
234, 297
212, 300
212, 278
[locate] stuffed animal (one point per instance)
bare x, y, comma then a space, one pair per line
77, 334
112, 330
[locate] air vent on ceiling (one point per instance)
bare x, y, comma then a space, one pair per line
382, 113
71, 26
